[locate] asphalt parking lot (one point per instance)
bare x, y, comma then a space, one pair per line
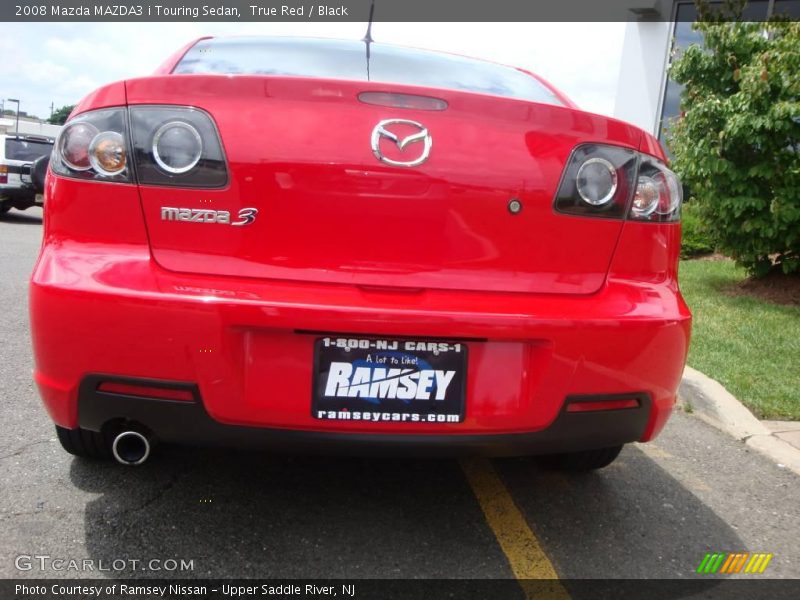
652, 514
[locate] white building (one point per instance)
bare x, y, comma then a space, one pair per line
642, 78
28, 126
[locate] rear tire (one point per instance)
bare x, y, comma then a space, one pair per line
84, 443
586, 460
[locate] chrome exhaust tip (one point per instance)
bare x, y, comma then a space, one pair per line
131, 448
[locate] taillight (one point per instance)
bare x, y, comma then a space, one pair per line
658, 194
612, 182
177, 146
93, 146
164, 145
3, 174
597, 181
108, 154
74, 145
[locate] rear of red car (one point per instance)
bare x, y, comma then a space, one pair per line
299, 243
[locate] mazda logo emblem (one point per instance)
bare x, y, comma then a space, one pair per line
421, 141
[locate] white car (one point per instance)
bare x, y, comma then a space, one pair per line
18, 152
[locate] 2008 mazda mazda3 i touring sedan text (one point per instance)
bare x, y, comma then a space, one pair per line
340, 246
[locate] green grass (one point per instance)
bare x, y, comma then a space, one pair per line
750, 346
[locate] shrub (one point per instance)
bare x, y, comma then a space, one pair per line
737, 145
695, 240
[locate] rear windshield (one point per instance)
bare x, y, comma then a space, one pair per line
339, 59
26, 150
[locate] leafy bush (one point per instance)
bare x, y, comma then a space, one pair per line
737, 145
695, 240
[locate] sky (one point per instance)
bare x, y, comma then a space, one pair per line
59, 63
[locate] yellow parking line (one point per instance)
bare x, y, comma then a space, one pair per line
525, 555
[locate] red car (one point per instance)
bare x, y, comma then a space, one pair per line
345, 246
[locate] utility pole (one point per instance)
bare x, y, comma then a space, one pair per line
52, 108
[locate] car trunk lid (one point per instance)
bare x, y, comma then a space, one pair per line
329, 210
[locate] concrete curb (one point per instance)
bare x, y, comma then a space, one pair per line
711, 402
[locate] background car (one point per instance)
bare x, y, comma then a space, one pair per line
355, 247
18, 152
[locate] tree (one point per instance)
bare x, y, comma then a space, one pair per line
59, 117
737, 143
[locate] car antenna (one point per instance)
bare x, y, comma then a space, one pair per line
368, 36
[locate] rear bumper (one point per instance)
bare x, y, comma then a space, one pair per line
247, 347
184, 422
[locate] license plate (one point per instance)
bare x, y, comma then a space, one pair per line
389, 380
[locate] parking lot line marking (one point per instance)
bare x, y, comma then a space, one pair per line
525, 555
